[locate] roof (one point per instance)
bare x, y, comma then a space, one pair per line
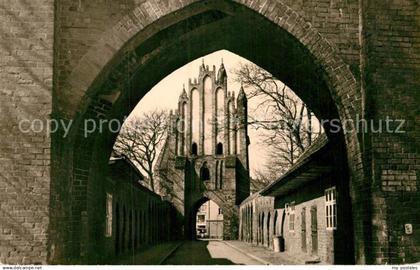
309, 167
251, 197
116, 157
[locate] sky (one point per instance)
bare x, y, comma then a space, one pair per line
164, 95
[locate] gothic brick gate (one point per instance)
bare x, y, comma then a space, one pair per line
72, 61
205, 154
229, 215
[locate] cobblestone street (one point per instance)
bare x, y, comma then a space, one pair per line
208, 253
191, 253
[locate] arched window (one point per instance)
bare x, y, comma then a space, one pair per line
219, 149
183, 137
207, 114
194, 149
204, 172
195, 115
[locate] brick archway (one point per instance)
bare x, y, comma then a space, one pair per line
118, 41
191, 222
110, 79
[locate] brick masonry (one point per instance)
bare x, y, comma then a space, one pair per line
391, 73
366, 51
263, 208
140, 218
26, 71
289, 209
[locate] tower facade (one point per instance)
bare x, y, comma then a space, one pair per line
206, 153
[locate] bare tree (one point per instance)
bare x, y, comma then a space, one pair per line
261, 178
141, 139
286, 121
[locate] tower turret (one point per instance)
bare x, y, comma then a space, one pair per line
242, 99
202, 68
242, 114
182, 120
221, 74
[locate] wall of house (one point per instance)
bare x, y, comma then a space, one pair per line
140, 218
253, 212
293, 238
262, 218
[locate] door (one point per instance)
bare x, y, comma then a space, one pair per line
314, 230
303, 228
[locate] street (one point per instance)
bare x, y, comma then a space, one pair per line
208, 253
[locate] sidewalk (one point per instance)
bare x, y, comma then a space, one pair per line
265, 255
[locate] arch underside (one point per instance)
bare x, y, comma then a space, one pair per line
169, 43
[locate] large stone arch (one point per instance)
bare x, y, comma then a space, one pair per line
191, 222
105, 84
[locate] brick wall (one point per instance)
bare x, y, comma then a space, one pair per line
26, 62
82, 24
392, 53
250, 215
337, 20
293, 238
278, 225
269, 216
389, 70
140, 217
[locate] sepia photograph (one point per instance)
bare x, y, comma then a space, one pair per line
262, 133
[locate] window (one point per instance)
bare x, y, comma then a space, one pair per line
290, 209
194, 149
201, 218
220, 211
219, 149
204, 172
331, 208
108, 229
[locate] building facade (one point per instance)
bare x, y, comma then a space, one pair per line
135, 217
205, 156
307, 209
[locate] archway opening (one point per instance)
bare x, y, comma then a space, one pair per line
208, 221
262, 41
